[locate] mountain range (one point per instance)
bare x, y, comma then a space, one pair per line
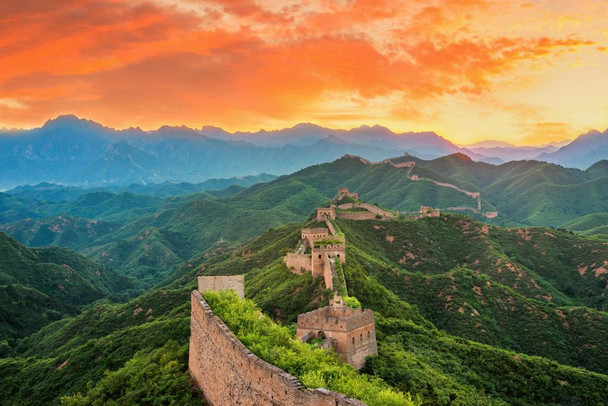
145, 236
72, 151
467, 312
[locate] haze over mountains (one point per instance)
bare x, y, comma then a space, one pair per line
73, 151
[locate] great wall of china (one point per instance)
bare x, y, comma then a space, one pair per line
228, 373
411, 164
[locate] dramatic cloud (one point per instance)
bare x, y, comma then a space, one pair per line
246, 64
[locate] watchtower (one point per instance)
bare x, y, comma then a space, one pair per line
353, 331
323, 212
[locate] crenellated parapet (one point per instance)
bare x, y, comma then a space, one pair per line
224, 282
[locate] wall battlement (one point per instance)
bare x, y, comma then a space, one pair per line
342, 317
344, 192
229, 374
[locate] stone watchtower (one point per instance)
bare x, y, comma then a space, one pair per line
314, 234
352, 331
323, 212
344, 192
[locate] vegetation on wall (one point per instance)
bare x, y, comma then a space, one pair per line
316, 368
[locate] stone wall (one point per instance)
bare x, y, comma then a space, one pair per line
328, 272
369, 207
409, 164
359, 215
299, 262
229, 374
330, 227
343, 191
234, 282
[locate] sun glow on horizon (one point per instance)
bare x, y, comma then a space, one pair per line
527, 72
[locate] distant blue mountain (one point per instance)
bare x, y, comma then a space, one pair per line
581, 153
73, 151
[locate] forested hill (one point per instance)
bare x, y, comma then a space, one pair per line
145, 236
41, 285
439, 287
198, 222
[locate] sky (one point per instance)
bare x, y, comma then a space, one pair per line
525, 72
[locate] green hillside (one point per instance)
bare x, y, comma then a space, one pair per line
195, 223
149, 332
24, 310
149, 247
65, 231
466, 312
157, 235
97, 205
414, 355
44, 284
491, 285
591, 225
531, 192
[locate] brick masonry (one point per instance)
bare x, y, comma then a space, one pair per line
353, 331
326, 212
234, 282
363, 215
229, 374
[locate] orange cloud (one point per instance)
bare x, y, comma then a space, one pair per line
243, 64
546, 132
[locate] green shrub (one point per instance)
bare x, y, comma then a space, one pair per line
351, 302
155, 378
327, 241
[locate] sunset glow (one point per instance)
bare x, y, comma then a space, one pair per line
527, 72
